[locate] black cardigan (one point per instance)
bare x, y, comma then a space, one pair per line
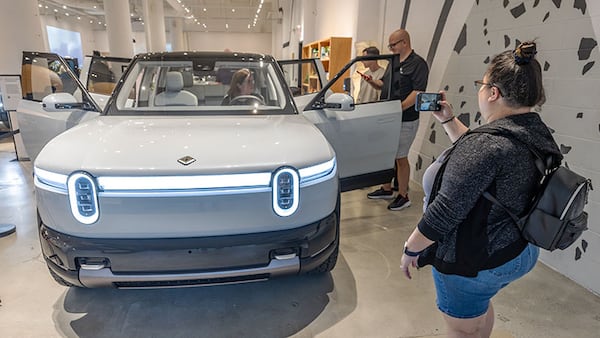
471, 233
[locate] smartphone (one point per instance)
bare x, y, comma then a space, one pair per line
428, 102
366, 77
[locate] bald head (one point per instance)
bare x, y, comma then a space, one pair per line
400, 34
399, 43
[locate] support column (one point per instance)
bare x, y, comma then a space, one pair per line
118, 28
20, 29
177, 40
154, 22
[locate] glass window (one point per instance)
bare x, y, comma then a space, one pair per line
201, 86
43, 74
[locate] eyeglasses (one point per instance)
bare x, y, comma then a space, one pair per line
392, 45
478, 83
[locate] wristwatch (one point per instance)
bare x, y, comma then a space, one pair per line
411, 253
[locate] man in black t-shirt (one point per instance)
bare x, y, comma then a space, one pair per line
409, 73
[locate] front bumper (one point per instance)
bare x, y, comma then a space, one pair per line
178, 262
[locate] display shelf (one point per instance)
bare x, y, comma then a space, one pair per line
334, 53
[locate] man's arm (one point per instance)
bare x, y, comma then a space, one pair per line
377, 84
409, 100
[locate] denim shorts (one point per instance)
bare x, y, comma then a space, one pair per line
469, 297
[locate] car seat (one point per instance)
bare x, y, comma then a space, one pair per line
174, 95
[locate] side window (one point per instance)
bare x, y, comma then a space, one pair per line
45, 74
362, 90
350, 82
103, 73
101, 79
354, 81
302, 77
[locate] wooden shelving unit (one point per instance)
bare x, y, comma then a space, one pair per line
334, 53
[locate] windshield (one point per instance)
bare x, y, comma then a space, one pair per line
202, 86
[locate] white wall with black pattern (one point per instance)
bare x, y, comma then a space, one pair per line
458, 44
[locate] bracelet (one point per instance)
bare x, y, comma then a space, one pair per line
411, 253
448, 120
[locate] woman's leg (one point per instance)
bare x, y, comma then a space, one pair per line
478, 327
489, 321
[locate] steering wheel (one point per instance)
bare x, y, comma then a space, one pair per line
242, 100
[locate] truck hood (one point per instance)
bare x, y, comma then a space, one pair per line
125, 145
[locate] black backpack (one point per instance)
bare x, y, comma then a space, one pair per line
555, 217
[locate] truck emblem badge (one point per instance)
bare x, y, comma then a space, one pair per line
186, 160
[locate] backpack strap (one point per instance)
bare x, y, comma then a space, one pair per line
545, 167
493, 199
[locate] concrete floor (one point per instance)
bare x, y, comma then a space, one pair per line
364, 296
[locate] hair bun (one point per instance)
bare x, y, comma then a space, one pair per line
525, 52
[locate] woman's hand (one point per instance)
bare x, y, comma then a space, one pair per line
406, 262
446, 112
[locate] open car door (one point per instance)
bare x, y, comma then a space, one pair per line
100, 74
54, 100
365, 136
305, 78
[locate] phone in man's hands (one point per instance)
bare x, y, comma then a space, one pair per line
364, 76
428, 102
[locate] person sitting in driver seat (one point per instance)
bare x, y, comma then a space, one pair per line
242, 83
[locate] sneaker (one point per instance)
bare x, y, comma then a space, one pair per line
381, 194
399, 203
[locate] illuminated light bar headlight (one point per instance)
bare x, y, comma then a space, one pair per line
109, 183
83, 197
318, 171
49, 178
286, 191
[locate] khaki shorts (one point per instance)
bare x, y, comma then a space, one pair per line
408, 132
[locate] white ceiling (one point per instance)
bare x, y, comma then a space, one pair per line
234, 16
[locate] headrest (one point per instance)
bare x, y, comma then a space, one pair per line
188, 79
174, 82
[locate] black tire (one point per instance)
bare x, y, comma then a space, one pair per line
59, 280
329, 264
331, 261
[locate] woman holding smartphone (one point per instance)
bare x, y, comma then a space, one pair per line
475, 248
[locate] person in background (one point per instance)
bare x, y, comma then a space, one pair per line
475, 247
367, 92
408, 77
